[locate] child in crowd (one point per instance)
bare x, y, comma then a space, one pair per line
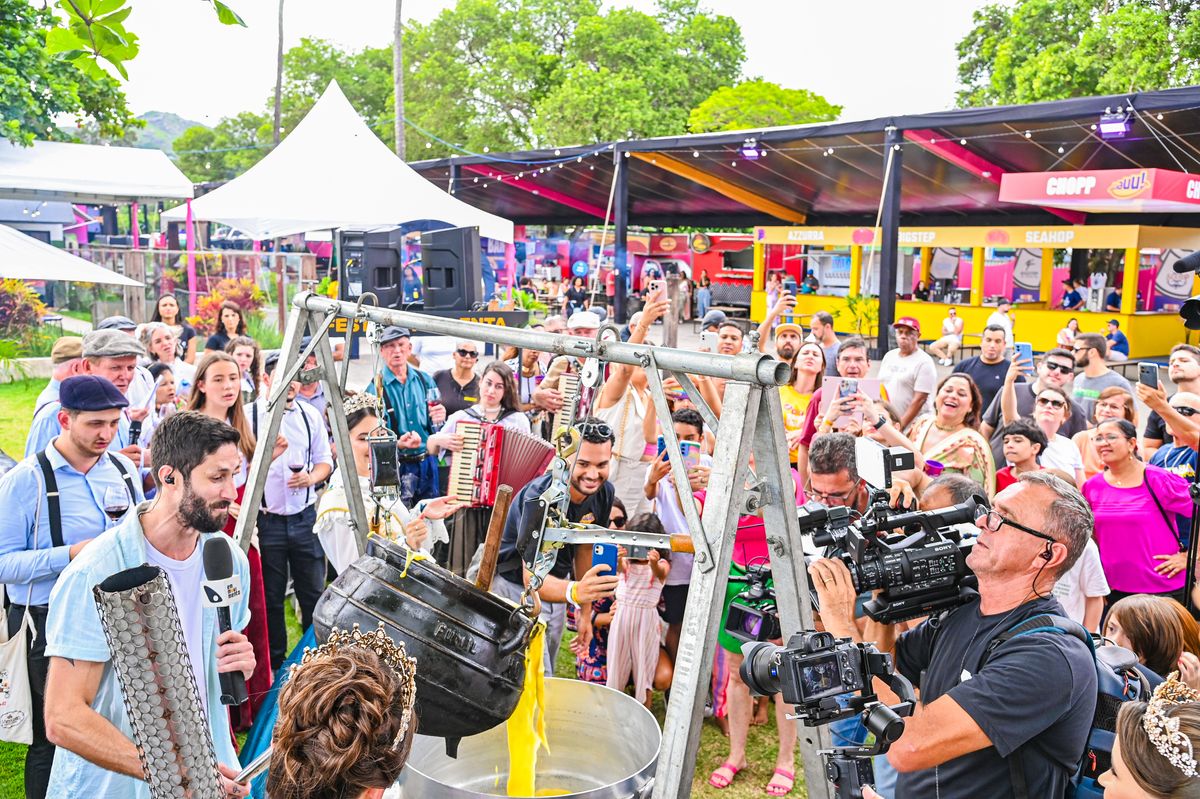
592, 665
635, 637
1023, 443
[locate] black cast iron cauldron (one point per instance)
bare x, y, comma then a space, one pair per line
469, 645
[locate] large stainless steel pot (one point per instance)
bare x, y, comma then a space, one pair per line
603, 745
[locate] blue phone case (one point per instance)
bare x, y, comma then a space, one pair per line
606, 554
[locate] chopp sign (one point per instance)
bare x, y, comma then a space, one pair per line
1073, 186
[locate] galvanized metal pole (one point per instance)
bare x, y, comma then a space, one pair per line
621, 227
788, 567
754, 368
698, 639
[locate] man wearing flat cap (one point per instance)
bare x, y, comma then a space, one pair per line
112, 355
55, 501
142, 385
413, 413
67, 359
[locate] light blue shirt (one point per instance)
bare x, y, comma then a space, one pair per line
81, 502
49, 394
73, 630
45, 427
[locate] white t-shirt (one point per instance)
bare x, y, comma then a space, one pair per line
1084, 579
905, 375
436, 352
186, 578
666, 507
1061, 453
1003, 320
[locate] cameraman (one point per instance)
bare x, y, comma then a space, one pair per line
833, 479
977, 730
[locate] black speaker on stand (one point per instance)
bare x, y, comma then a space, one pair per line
372, 260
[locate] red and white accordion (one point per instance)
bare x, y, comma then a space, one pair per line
493, 455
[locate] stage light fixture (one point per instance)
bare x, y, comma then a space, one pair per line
1114, 125
750, 149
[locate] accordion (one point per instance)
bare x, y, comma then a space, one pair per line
493, 455
568, 386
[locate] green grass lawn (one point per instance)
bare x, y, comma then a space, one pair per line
16, 412
82, 316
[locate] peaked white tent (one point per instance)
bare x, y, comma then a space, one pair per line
330, 172
25, 258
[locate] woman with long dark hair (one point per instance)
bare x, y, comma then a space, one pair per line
950, 435
497, 404
1135, 506
230, 324
166, 310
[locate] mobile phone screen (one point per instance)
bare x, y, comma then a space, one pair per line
691, 453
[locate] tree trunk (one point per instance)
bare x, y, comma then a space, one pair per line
278, 76
398, 76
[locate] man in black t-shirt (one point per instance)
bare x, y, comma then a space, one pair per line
987, 368
978, 720
1056, 369
572, 578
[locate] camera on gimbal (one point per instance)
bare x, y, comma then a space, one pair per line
915, 559
753, 615
818, 674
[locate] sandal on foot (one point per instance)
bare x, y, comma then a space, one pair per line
719, 780
776, 788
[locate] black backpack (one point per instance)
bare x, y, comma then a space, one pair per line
1118, 680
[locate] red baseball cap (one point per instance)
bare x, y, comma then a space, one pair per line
907, 321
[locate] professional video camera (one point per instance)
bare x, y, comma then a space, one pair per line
817, 674
753, 615
915, 559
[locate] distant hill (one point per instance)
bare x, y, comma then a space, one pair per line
162, 128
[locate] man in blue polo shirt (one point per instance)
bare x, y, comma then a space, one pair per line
196, 462
410, 415
55, 502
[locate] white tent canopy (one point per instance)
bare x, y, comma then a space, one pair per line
89, 173
25, 258
331, 172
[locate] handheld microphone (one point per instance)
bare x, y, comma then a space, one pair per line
221, 587
135, 431
1189, 263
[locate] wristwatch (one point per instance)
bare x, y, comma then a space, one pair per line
880, 422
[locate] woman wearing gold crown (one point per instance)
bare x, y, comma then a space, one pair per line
387, 516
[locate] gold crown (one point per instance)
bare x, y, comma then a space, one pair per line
393, 655
1163, 729
359, 401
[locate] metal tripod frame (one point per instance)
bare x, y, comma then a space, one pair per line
751, 422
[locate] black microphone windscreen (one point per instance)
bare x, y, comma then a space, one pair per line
218, 560
1189, 263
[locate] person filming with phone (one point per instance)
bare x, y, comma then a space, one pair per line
1057, 370
982, 723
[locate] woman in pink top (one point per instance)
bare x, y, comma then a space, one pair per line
1135, 506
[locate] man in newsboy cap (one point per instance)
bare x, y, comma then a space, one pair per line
113, 355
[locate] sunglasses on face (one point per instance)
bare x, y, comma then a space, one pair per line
1185, 410
1053, 403
616, 521
468, 353
1059, 367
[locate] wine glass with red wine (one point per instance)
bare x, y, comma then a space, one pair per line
116, 503
295, 462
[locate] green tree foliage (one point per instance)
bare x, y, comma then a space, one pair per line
1040, 50
36, 85
759, 104
226, 151
365, 77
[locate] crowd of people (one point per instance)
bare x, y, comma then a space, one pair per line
140, 447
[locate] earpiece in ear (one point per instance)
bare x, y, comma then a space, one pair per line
169, 479
1049, 553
